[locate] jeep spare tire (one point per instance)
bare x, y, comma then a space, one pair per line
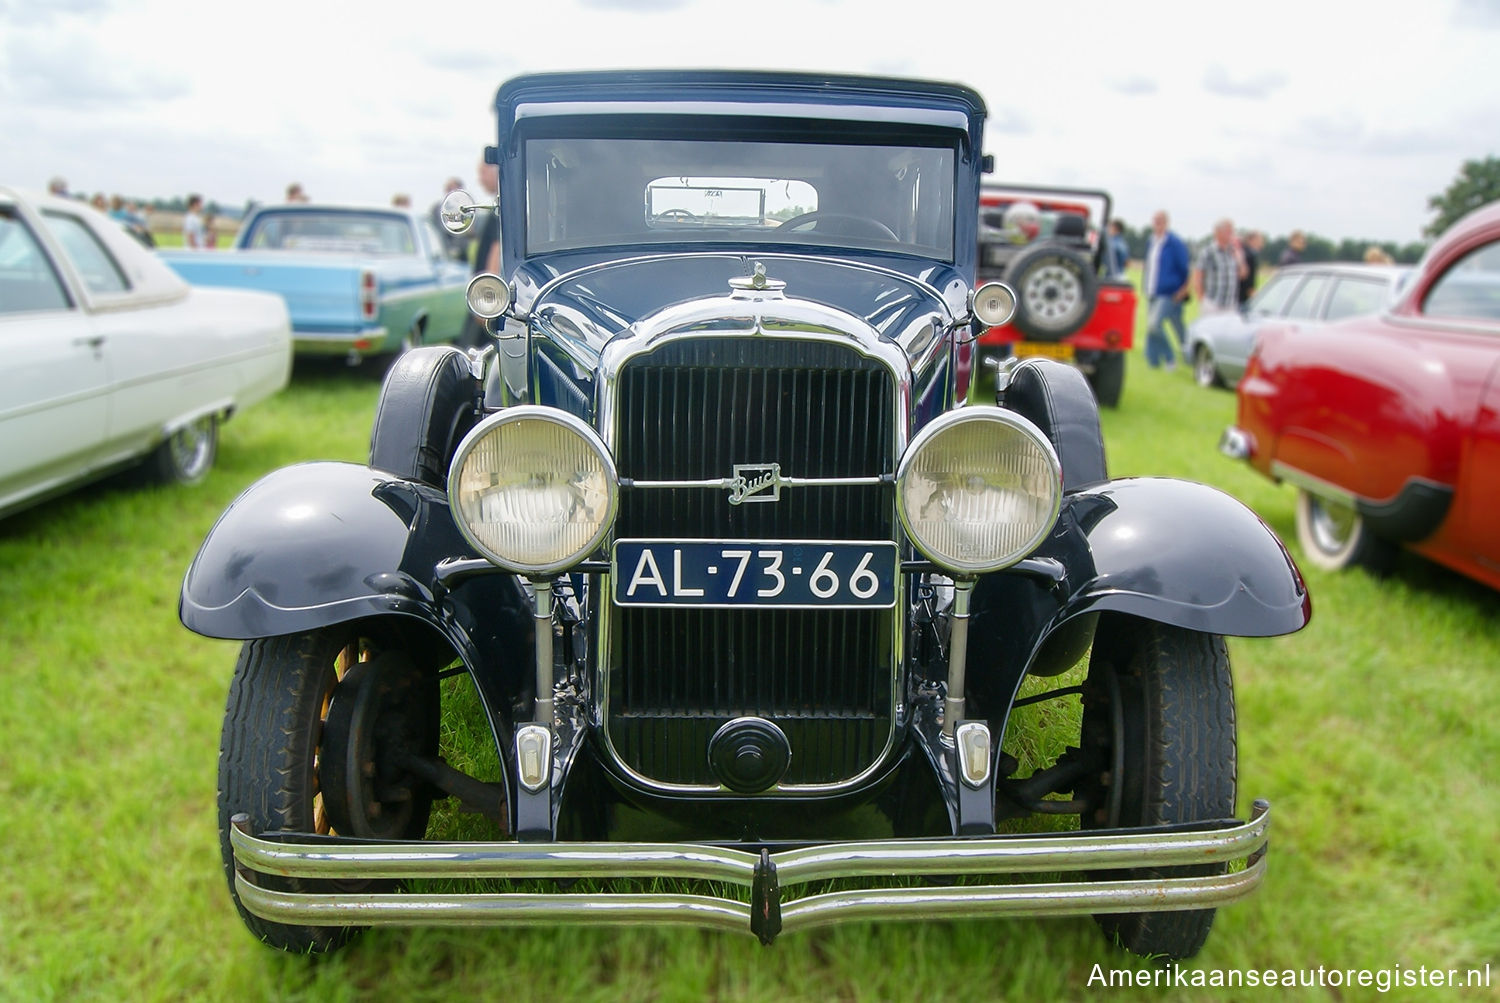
1055, 291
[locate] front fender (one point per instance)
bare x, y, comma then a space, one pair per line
1188, 555
317, 544
1172, 551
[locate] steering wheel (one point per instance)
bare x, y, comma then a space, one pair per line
674, 216
845, 224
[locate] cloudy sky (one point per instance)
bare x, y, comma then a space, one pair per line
1340, 118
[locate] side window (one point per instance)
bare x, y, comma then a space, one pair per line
1470, 289
1352, 297
1305, 302
27, 279
1271, 299
94, 263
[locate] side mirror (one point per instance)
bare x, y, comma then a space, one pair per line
457, 211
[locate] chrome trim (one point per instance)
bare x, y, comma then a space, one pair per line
730, 483
534, 756
980, 412
974, 753
1235, 443
879, 859
958, 654
778, 318
1323, 489
541, 617
536, 412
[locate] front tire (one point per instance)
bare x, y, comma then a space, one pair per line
1205, 372
1334, 536
271, 760
1158, 712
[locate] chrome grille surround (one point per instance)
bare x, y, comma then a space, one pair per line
762, 317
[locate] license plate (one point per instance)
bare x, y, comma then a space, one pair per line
754, 573
1045, 349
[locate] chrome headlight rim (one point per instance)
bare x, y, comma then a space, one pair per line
534, 412
935, 428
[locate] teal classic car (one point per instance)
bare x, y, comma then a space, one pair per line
357, 281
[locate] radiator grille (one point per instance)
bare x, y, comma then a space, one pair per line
691, 411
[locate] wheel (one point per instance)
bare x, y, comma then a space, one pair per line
1205, 373
1158, 713
313, 733
1056, 290
426, 407
845, 224
1108, 380
188, 454
1334, 537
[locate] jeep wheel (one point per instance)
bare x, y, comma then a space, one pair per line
1056, 290
1205, 373
425, 409
1108, 380
291, 701
1158, 712
1334, 537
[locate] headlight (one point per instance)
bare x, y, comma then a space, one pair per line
488, 296
534, 489
978, 489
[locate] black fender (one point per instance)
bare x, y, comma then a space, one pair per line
1172, 551
319, 544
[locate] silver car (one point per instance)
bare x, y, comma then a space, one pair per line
1219, 345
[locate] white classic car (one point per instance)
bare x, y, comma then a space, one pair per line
108, 358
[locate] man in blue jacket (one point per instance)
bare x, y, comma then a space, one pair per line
1166, 286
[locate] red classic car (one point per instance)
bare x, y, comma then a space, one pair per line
1389, 425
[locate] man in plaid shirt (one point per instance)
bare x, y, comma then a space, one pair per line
1218, 271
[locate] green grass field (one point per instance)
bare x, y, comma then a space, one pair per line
1372, 732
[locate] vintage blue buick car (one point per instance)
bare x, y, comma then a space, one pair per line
358, 281
746, 595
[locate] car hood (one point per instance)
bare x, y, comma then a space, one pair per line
587, 308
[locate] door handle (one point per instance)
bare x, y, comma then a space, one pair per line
94, 341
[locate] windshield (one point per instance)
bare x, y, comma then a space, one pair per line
331, 232
583, 192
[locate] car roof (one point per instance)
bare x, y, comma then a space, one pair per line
893, 100
1387, 273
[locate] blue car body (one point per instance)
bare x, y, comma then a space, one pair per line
356, 281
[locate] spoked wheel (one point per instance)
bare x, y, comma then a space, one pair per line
1158, 715
1335, 537
314, 734
188, 454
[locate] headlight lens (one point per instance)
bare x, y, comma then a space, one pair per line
978, 489
534, 489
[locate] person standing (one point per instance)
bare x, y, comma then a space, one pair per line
1295, 245
1165, 284
1218, 272
192, 223
1116, 250
1250, 247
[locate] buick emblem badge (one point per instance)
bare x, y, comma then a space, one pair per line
755, 482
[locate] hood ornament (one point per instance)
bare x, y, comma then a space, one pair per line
756, 285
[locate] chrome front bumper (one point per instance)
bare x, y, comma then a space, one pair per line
766, 913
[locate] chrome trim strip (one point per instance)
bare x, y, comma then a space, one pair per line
728, 483
996, 855
892, 858
1281, 472
1063, 898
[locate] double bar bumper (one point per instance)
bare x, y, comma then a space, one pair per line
767, 913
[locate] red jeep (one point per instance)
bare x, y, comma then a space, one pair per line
1039, 242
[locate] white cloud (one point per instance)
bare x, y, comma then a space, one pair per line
1282, 115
